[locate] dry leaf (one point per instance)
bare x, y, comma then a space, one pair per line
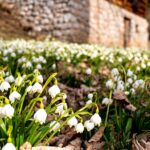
123, 100
140, 142
97, 136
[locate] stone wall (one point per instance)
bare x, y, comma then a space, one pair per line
107, 25
82, 21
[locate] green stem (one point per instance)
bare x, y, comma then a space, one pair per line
107, 113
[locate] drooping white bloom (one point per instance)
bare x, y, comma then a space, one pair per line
39, 66
96, 119
90, 96
88, 71
1, 114
40, 78
29, 89
10, 79
115, 72
130, 81
8, 111
129, 73
89, 125
79, 128
60, 109
9, 146
54, 90
132, 90
40, 116
107, 101
37, 87
54, 66
109, 84
64, 96
54, 127
89, 102
72, 122
4, 86
14, 96
18, 81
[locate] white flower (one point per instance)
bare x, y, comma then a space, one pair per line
54, 66
40, 78
18, 81
39, 66
89, 102
89, 125
8, 111
115, 72
132, 90
55, 127
4, 86
40, 116
120, 87
130, 80
107, 101
1, 114
37, 87
143, 65
14, 96
61, 109
79, 128
72, 122
88, 71
29, 89
129, 73
9, 146
109, 84
90, 96
64, 96
54, 90
96, 119
10, 79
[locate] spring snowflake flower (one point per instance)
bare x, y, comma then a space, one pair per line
8, 111
129, 73
89, 102
37, 87
72, 122
79, 128
18, 81
54, 90
4, 86
40, 116
115, 72
130, 81
89, 125
109, 84
107, 101
88, 71
29, 89
55, 127
90, 96
1, 114
40, 78
14, 96
9, 146
96, 119
60, 109
10, 79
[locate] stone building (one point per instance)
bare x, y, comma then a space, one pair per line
119, 23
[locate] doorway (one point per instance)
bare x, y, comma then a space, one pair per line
127, 32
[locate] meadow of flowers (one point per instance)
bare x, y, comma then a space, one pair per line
34, 108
